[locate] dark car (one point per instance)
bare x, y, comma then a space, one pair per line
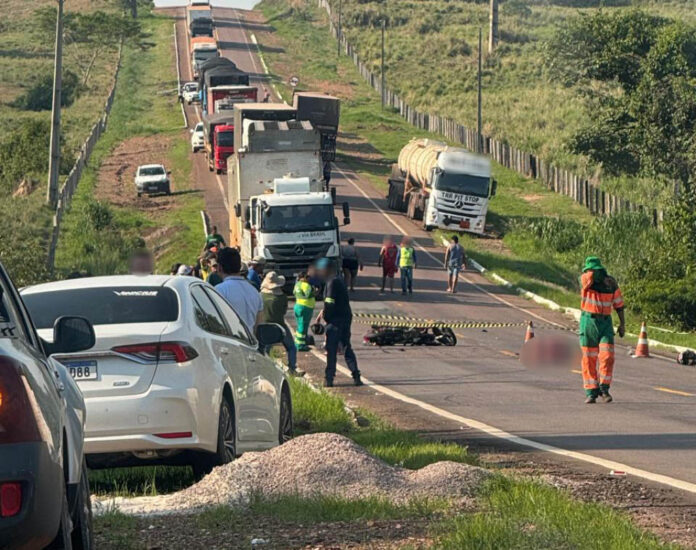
44, 491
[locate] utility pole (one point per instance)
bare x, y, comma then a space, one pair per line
479, 122
384, 26
54, 158
340, 26
493, 35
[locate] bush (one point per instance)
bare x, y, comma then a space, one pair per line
560, 235
673, 301
40, 96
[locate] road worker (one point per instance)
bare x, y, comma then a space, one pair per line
406, 260
305, 301
600, 295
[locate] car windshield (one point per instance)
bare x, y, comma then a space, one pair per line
191, 87
151, 171
462, 183
117, 305
199, 127
293, 218
225, 139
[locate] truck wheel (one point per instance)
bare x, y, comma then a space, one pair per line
218, 172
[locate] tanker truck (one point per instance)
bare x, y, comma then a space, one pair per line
445, 187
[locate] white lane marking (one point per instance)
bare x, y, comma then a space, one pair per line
501, 434
246, 42
472, 283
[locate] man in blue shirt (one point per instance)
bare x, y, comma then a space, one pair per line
255, 275
238, 292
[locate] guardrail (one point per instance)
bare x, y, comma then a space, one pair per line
67, 190
559, 180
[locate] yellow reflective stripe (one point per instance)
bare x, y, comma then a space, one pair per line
306, 302
590, 353
329, 300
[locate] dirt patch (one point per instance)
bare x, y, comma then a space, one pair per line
238, 532
117, 173
532, 198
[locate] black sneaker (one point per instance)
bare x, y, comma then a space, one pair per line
357, 381
328, 383
606, 397
590, 399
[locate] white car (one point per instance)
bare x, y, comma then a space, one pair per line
151, 179
197, 138
175, 375
189, 92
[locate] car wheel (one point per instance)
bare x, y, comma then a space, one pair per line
140, 195
168, 190
82, 535
286, 426
226, 444
63, 540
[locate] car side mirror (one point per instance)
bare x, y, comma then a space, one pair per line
494, 187
71, 334
269, 334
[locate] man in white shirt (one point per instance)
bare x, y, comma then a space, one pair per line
239, 292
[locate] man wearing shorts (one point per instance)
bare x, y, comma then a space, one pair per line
454, 260
351, 263
387, 261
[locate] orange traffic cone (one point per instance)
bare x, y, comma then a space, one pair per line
530, 332
642, 347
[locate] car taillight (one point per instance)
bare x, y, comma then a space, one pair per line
159, 352
10, 499
17, 413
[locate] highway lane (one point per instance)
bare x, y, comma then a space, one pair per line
481, 378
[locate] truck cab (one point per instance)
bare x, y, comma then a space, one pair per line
292, 227
223, 147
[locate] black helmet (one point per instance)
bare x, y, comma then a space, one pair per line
318, 329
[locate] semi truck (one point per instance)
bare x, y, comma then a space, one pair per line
224, 99
194, 12
281, 209
324, 112
201, 26
218, 72
203, 48
445, 187
218, 130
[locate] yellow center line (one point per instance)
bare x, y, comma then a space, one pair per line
676, 392
576, 371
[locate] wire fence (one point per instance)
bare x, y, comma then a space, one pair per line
559, 180
67, 190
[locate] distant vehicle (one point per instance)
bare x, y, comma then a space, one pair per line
44, 490
175, 376
219, 140
203, 48
189, 92
445, 187
151, 179
200, 2
197, 138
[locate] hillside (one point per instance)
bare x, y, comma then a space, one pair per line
431, 61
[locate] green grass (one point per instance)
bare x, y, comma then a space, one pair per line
528, 515
145, 106
140, 481
116, 529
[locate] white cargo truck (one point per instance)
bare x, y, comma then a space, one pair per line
445, 187
281, 209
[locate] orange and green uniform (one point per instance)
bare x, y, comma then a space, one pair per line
600, 296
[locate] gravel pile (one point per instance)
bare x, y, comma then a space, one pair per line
327, 464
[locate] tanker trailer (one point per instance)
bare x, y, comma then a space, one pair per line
445, 187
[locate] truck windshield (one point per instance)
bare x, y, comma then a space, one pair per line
204, 55
297, 217
225, 139
462, 183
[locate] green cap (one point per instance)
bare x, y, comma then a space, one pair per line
592, 263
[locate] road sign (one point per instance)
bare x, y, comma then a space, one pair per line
294, 81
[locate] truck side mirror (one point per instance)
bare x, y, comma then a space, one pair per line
333, 195
247, 213
346, 209
346, 221
238, 210
494, 187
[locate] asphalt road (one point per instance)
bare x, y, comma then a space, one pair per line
649, 426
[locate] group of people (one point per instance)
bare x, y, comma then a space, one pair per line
260, 297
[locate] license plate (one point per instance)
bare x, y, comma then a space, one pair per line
464, 224
83, 370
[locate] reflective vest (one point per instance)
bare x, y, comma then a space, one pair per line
601, 299
304, 294
406, 257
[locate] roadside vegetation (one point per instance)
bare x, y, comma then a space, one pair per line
26, 65
540, 238
106, 223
